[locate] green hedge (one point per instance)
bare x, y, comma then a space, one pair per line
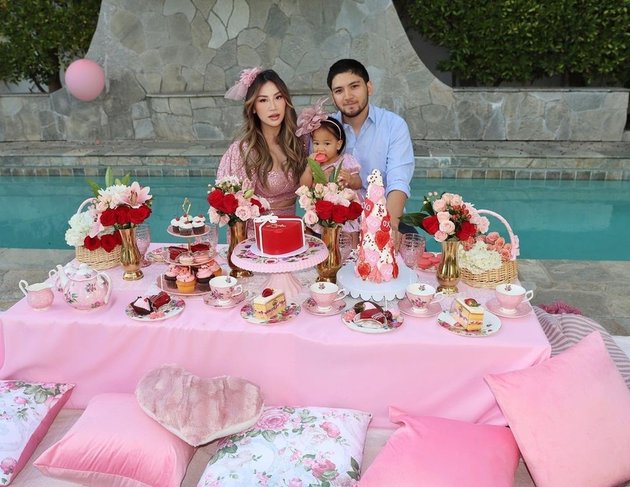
587, 42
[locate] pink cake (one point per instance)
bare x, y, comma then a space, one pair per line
377, 257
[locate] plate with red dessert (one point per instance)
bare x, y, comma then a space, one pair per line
154, 308
369, 317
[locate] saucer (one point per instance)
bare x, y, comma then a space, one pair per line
211, 299
170, 309
352, 321
337, 307
522, 309
433, 309
491, 324
292, 310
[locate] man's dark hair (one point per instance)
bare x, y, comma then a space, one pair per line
347, 66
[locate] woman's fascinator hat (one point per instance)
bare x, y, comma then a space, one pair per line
311, 118
239, 90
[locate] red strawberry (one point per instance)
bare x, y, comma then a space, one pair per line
381, 238
368, 206
385, 223
395, 270
364, 270
471, 302
267, 292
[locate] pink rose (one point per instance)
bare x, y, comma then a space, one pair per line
324, 469
331, 430
20, 400
8, 465
295, 483
439, 205
243, 213
310, 218
440, 236
492, 237
447, 227
272, 420
443, 216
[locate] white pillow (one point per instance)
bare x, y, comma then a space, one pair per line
292, 446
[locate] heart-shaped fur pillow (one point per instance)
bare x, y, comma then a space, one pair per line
199, 410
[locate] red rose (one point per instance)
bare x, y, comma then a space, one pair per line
254, 201
431, 224
324, 209
230, 203
91, 243
340, 214
140, 214
117, 236
108, 217
215, 199
122, 214
354, 210
109, 242
466, 230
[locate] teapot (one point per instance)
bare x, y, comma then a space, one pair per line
86, 288
59, 274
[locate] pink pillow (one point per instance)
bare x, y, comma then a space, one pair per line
570, 416
115, 444
444, 452
27, 409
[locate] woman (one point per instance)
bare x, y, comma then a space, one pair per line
267, 152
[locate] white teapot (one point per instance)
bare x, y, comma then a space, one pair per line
86, 288
59, 274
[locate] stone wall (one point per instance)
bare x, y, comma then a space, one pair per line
168, 63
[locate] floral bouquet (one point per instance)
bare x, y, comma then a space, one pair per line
233, 200
123, 206
328, 205
448, 217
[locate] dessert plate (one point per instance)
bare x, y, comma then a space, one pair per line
170, 309
248, 314
352, 321
491, 324
433, 309
211, 299
206, 229
337, 307
522, 309
157, 255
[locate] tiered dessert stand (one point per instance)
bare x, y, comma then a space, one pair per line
281, 269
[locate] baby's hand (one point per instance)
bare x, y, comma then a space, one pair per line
344, 176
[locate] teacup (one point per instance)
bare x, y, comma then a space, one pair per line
325, 294
510, 296
38, 296
225, 288
421, 295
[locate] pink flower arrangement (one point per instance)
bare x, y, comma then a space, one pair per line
448, 217
494, 242
232, 200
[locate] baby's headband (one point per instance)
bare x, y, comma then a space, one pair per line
311, 118
239, 90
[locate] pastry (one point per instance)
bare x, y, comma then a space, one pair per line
142, 306
468, 313
186, 258
186, 282
270, 303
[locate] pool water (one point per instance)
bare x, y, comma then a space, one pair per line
578, 220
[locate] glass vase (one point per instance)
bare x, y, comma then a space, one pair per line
327, 270
238, 233
130, 255
448, 270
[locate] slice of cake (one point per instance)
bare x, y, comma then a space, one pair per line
142, 306
468, 313
269, 304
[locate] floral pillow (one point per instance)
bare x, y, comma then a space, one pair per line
294, 447
27, 409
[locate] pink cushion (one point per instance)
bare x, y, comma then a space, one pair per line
443, 452
197, 409
115, 444
570, 416
27, 409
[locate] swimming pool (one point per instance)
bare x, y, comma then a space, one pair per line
578, 220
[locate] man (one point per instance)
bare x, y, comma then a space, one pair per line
378, 138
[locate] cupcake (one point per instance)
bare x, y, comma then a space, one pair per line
185, 228
170, 276
204, 274
175, 225
199, 225
186, 258
186, 282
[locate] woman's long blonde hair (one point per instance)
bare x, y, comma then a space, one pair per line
254, 149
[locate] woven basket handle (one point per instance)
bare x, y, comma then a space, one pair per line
86, 202
513, 238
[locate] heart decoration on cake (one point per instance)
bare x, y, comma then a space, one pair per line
197, 409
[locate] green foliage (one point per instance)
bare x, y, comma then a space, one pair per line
319, 176
587, 41
38, 37
109, 181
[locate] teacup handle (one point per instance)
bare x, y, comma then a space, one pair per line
439, 296
52, 273
109, 286
529, 295
238, 289
342, 293
23, 285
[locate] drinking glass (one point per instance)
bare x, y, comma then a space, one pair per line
411, 248
211, 238
143, 240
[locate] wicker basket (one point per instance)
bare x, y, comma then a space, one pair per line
508, 271
98, 259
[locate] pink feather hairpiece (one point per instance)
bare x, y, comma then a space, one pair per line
239, 90
311, 118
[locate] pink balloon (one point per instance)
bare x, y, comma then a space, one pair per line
85, 79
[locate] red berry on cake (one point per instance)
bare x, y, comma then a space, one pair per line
471, 302
266, 292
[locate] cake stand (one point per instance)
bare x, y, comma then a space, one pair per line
280, 268
358, 288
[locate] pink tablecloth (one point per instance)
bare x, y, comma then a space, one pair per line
308, 361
